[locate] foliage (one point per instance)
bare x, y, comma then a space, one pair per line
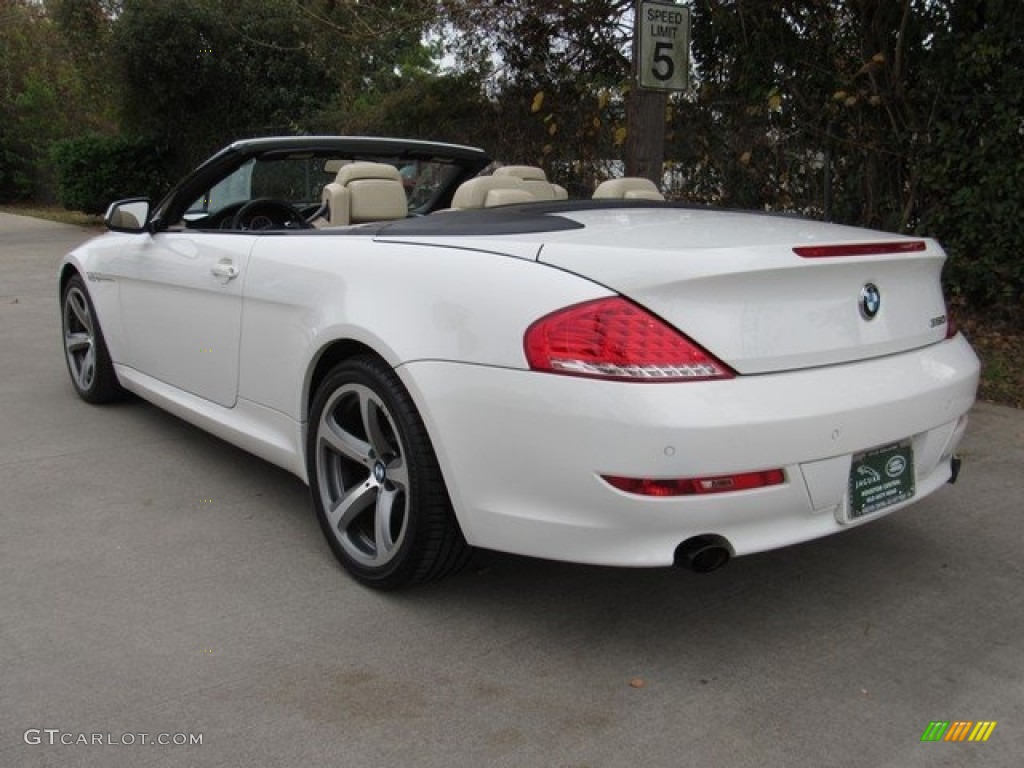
794, 93
199, 74
42, 97
972, 160
449, 107
83, 29
15, 163
369, 48
556, 75
93, 171
538, 43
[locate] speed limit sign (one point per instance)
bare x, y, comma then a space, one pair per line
664, 32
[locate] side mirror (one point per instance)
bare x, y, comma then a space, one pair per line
130, 215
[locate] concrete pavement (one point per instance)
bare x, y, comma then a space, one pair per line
154, 580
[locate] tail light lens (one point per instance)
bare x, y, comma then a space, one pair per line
696, 486
613, 338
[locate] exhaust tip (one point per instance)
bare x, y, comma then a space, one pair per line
703, 554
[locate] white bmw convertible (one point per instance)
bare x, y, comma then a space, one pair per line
452, 360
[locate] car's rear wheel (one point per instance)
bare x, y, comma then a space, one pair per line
376, 484
85, 350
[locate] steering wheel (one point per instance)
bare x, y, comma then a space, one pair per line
265, 213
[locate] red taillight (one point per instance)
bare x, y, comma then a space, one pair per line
614, 339
859, 249
696, 486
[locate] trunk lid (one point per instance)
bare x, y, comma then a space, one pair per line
733, 283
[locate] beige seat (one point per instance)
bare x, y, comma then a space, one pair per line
536, 181
490, 191
364, 192
628, 188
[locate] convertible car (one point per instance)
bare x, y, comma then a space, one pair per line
453, 360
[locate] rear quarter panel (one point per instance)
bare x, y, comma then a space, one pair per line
408, 302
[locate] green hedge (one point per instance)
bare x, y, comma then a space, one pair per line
15, 173
93, 171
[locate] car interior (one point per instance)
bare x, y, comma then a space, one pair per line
306, 191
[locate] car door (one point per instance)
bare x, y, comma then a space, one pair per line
181, 308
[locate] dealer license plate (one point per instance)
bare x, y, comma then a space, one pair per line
881, 478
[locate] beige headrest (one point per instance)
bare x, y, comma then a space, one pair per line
366, 170
628, 188
524, 172
365, 192
491, 191
536, 181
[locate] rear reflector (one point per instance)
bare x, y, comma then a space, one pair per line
613, 338
859, 249
696, 486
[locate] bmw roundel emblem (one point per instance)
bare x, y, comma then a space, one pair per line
870, 301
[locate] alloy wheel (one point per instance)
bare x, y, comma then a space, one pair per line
79, 338
363, 477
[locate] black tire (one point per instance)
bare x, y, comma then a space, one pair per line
376, 485
85, 350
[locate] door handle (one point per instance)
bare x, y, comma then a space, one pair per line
224, 269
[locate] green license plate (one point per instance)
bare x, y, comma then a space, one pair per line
881, 478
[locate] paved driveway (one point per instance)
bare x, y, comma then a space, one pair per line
154, 580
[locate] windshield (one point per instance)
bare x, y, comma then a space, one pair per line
299, 180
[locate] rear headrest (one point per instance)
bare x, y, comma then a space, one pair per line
524, 172
628, 188
536, 181
491, 191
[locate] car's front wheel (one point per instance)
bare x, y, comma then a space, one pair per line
376, 484
85, 350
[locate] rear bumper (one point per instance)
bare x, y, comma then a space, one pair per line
523, 452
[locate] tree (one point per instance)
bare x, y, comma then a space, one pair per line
448, 107
18, 38
43, 97
250, 67
972, 156
558, 73
369, 48
197, 74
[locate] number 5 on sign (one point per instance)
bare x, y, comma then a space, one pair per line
664, 32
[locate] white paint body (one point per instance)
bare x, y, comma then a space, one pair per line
522, 451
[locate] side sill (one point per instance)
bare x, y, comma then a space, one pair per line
261, 431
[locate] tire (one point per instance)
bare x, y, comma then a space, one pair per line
85, 350
376, 485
